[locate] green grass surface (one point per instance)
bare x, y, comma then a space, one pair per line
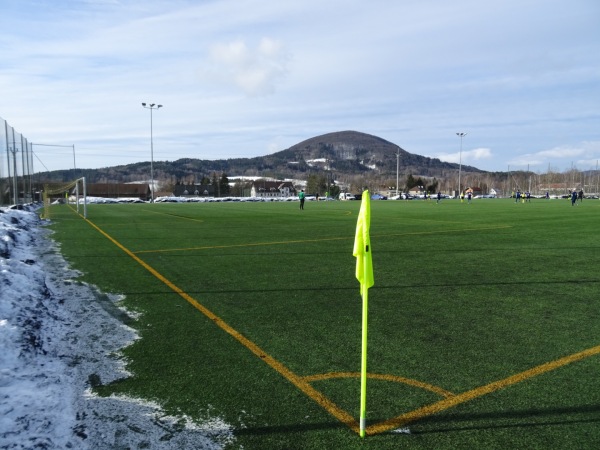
464, 296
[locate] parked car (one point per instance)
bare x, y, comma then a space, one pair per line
401, 196
378, 197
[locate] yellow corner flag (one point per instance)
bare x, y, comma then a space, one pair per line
364, 274
362, 245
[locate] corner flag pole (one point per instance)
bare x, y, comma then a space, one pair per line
364, 274
363, 365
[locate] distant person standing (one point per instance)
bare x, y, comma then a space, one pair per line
581, 195
469, 196
301, 196
439, 197
573, 197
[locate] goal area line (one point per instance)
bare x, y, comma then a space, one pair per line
304, 382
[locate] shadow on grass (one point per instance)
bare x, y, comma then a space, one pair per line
542, 417
292, 428
375, 288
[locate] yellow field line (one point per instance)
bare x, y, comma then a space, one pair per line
303, 383
256, 244
452, 230
296, 380
303, 241
376, 376
450, 402
173, 215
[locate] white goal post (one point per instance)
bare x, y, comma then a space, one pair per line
64, 188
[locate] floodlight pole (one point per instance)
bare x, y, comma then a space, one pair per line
461, 135
151, 106
397, 169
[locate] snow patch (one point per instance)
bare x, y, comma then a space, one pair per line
60, 337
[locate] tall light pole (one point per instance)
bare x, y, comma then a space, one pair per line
151, 106
397, 169
461, 135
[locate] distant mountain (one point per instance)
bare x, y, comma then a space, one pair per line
355, 153
343, 153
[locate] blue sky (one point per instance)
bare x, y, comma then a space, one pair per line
249, 78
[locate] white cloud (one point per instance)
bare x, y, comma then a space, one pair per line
469, 157
479, 154
76, 71
526, 161
256, 71
560, 152
583, 155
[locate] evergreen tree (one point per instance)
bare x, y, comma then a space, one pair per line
224, 185
433, 187
215, 184
410, 182
316, 184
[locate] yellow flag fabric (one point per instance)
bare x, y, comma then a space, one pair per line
362, 245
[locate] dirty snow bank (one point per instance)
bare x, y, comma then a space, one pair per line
57, 340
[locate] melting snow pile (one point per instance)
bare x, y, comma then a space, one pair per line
57, 338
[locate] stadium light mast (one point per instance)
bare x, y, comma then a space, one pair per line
397, 169
461, 135
151, 107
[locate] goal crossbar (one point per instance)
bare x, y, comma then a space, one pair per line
59, 188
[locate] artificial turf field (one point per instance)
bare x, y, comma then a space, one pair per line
484, 324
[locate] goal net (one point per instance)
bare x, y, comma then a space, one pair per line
73, 192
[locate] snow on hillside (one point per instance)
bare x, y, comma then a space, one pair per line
57, 340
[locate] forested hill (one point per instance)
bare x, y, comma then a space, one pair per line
343, 153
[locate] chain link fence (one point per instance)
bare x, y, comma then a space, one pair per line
16, 167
